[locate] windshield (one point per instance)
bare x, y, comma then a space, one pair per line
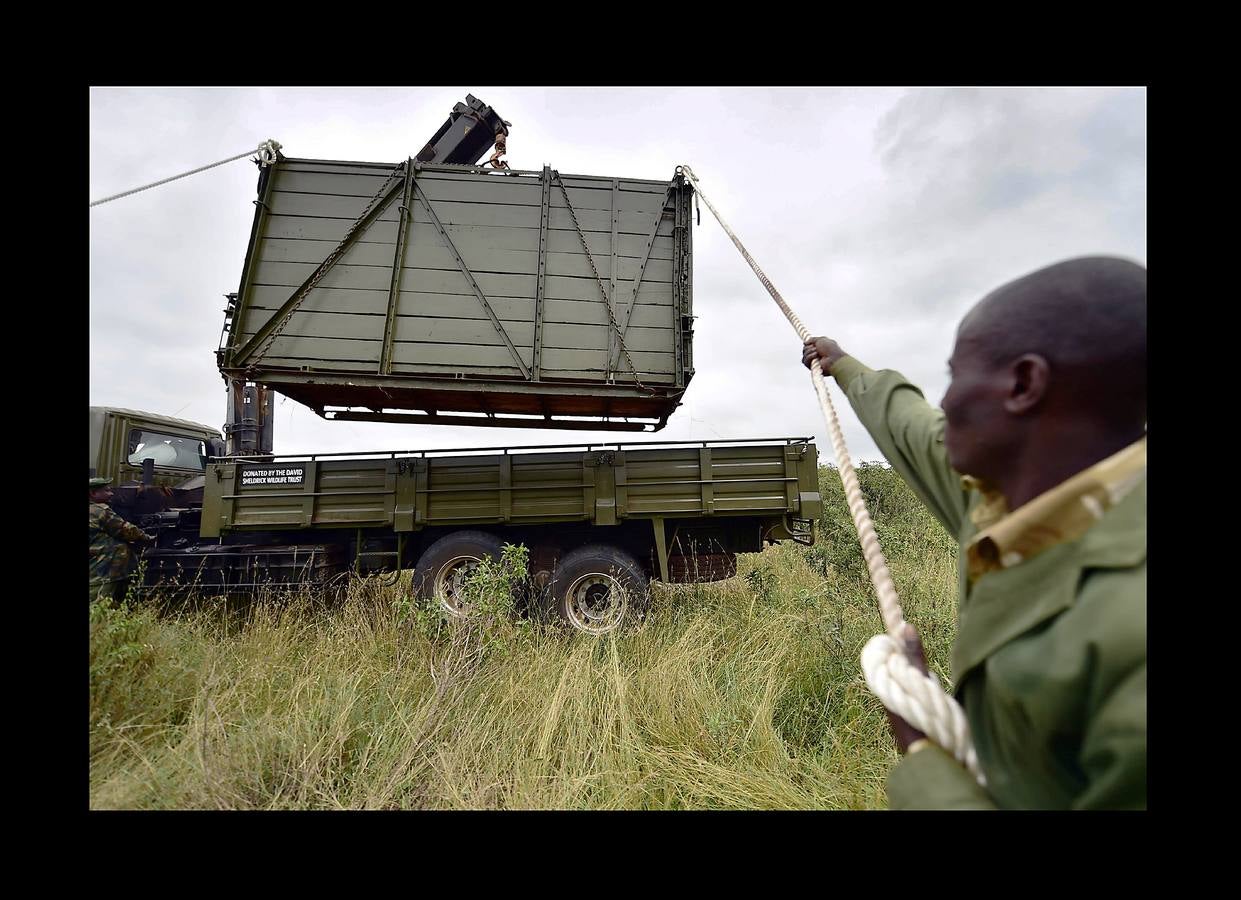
166, 450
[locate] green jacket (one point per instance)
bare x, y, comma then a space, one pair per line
1050, 656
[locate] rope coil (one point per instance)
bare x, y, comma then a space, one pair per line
917, 698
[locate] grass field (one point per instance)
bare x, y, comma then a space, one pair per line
741, 694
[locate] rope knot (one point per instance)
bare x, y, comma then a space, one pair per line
267, 151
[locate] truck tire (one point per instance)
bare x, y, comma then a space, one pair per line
440, 569
596, 589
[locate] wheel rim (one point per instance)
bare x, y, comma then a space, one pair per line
596, 603
449, 584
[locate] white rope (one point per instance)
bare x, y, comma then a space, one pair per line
919, 700
266, 152
916, 698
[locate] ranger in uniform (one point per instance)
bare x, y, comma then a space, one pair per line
111, 556
1046, 415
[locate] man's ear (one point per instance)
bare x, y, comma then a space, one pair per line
1030, 377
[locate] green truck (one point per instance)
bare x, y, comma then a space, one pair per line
600, 521
438, 291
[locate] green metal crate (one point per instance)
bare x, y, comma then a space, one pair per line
467, 295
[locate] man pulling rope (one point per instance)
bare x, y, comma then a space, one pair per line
1046, 415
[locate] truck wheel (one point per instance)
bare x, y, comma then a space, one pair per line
597, 589
447, 562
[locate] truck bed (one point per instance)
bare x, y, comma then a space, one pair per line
597, 484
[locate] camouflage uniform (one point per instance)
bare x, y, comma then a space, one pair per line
111, 557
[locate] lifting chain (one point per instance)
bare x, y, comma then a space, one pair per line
620, 337
326, 265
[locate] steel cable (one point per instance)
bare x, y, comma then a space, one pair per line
266, 152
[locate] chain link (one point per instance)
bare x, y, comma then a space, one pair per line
620, 337
326, 265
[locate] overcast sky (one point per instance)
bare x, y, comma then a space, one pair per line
881, 215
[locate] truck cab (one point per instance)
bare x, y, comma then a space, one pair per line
122, 440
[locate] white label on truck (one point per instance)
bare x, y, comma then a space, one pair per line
266, 475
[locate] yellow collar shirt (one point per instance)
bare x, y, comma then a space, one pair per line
1057, 516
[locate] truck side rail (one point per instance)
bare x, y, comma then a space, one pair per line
596, 483
529, 448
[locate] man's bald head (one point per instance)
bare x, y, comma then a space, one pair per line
1058, 355
1086, 317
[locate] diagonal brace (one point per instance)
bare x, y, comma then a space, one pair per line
469, 277
290, 306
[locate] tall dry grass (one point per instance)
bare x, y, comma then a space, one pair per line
743, 694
